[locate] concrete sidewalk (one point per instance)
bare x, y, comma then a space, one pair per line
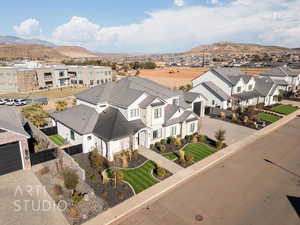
156, 191
160, 160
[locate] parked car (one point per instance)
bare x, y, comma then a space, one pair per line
43, 100
23, 101
17, 102
10, 102
2, 102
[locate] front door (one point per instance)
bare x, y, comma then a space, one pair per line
142, 138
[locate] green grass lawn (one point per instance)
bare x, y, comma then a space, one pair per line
284, 109
57, 139
139, 178
268, 117
171, 156
199, 150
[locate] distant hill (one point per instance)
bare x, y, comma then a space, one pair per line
26, 51
74, 51
17, 40
238, 48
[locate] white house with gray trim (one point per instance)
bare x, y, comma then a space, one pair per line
230, 87
131, 113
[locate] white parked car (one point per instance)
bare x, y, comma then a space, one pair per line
2, 102
10, 102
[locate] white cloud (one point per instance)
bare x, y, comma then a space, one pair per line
214, 2
179, 3
266, 22
28, 28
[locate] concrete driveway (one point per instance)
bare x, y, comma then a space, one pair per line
24, 201
233, 134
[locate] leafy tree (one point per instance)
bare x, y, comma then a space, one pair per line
71, 178
35, 114
61, 105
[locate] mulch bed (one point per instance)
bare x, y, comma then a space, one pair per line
111, 195
237, 122
184, 164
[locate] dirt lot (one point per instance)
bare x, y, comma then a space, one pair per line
177, 76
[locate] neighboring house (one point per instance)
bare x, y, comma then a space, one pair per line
286, 78
230, 87
131, 113
14, 152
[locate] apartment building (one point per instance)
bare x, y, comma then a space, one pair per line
62, 76
13, 79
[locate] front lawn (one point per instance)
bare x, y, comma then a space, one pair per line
199, 150
284, 109
57, 139
171, 156
268, 117
140, 178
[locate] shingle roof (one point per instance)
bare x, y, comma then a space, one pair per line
263, 85
246, 95
280, 82
112, 125
171, 109
215, 90
11, 120
80, 118
147, 101
125, 91
232, 75
280, 72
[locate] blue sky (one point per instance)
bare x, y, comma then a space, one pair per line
149, 26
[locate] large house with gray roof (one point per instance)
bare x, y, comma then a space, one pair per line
286, 78
230, 87
131, 113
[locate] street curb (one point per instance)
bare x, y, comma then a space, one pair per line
129, 206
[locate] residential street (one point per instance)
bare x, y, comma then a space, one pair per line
250, 188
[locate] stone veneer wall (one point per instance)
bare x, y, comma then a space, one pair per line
9, 137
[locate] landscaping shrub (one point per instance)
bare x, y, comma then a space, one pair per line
71, 178
194, 139
178, 142
172, 140
162, 148
169, 140
121, 196
152, 147
181, 156
135, 153
220, 137
77, 197
234, 116
96, 160
163, 141
189, 157
188, 137
219, 145
119, 176
157, 145
124, 159
57, 190
105, 178
161, 172
202, 138
73, 212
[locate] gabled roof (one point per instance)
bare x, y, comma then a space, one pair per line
246, 95
125, 91
280, 72
263, 85
171, 109
80, 118
231, 75
112, 125
11, 120
215, 90
280, 82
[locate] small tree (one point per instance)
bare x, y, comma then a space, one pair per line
71, 178
119, 177
220, 137
35, 114
189, 157
96, 160
124, 159
202, 138
181, 156
178, 142
61, 105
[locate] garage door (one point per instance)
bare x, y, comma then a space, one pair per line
10, 158
197, 108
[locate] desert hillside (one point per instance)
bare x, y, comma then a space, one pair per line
74, 51
229, 47
26, 51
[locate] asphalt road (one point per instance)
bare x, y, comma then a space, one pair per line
256, 186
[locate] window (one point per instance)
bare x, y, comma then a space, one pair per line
175, 101
98, 81
173, 130
156, 134
250, 87
157, 113
72, 135
213, 102
134, 113
91, 82
239, 89
80, 81
61, 74
192, 127
89, 138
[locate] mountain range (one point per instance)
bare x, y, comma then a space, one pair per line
18, 40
